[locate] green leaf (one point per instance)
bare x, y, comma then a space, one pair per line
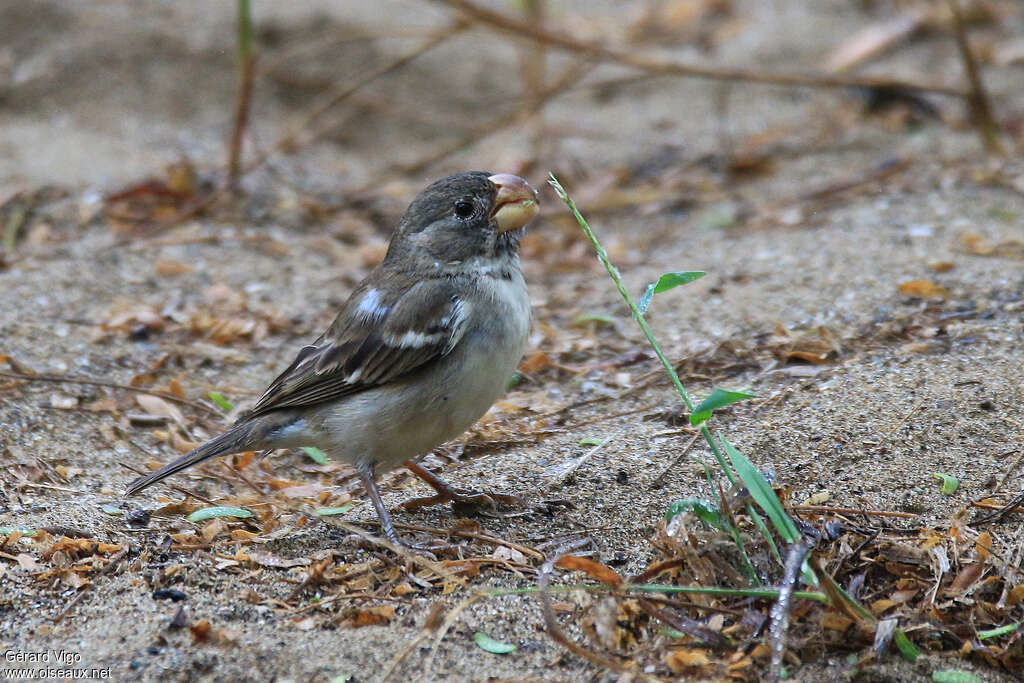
949, 483
495, 647
315, 454
219, 399
344, 678
112, 510
1001, 631
954, 676
666, 282
203, 514
719, 398
328, 512
704, 510
594, 441
595, 317
25, 531
762, 493
903, 644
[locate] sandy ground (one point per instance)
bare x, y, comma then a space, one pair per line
98, 95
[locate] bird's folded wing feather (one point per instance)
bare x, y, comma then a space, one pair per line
374, 340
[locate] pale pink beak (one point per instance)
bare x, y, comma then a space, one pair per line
516, 202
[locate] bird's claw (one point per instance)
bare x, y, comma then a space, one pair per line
463, 498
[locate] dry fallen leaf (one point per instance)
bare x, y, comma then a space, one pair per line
684, 661
168, 268
978, 245
923, 289
154, 405
594, 570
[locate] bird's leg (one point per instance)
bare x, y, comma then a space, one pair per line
369, 483
446, 493
366, 477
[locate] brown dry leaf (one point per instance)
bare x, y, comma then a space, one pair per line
102, 405
967, 576
280, 484
978, 245
212, 529
942, 266
174, 389
879, 606
154, 405
923, 289
181, 444
243, 460
176, 509
67, 472
169, 268
201, 630
535, 363
223, 331
72, 546
594, 570
685, 661
301, 491
405, 588
817, 347
185, 538
371, 616
1015, 596
983, 545
836, 622
133, 317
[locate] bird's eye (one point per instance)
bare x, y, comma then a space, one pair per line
463, 208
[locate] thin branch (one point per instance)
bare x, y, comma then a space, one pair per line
977, 97
556, 632
247, 71
64, 379
290, 141
501, 22
535, 102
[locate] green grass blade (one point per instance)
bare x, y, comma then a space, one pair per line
719, 398
762, 493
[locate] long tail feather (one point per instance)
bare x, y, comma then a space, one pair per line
238, 439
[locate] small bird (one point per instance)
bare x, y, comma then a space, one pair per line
422, 348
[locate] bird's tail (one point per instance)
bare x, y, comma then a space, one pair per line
246, 436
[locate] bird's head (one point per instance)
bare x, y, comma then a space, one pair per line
467, 220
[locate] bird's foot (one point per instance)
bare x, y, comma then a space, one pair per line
446, 493
462, 498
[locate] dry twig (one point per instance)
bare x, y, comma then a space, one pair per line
521, 29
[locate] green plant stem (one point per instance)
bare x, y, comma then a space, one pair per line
602, 255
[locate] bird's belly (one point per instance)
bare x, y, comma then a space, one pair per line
407, 419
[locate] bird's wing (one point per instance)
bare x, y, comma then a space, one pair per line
374, 340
